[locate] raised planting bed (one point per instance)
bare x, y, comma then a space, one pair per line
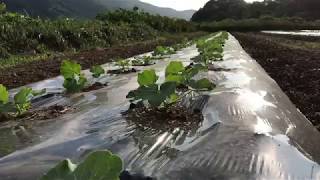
245, 128
293, 63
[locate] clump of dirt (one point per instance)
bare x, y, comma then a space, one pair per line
167, 119
296, 70
121, 71
35, 116
46, 113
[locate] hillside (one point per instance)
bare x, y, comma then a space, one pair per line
216, 10
86, 8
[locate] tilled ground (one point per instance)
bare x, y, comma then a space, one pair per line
39, 70
295, 68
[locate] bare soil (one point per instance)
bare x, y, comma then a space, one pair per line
39, 70
294, 65
166, 119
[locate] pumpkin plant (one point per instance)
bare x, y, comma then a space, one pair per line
74, 80
123, 64
162, 51
167, 93
21, 101
144, 61
97, 71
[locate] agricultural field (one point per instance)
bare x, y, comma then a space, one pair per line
121, 93
294, 62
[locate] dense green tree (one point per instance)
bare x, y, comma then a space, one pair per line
216, 10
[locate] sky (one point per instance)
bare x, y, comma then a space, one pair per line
181, 4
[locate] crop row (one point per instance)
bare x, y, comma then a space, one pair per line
74, 80
180, 82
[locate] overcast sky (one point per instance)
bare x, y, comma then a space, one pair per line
182, 4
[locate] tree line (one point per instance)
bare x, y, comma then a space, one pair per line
216, 10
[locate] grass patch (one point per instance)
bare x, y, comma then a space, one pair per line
15, 60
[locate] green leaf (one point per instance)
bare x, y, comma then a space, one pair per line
202, 84
100, 165
7, 108
147, 77
75, 84
22, 100
175, 78
167, 89
175, 67
150, 94
69, 69
23, 96
61, 171
4, 94
97, 71
173, 98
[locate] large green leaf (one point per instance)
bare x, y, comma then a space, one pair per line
22, 99
4, 95
175, 67
97, 71
23, 96
175, 78
100, 165
147, 77
69, 69
150, 94
167, 89
74, 85
62, 171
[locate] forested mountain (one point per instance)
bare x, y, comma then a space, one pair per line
86, 8
216, 10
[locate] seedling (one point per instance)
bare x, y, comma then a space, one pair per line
162, 51
155, 94
97, 71
167, 93
145, 61
176, 72
21, 103
123, 64
74, 80
212, 50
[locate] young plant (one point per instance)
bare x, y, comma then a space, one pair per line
176, 72
145, 61
162, 51
167, 93
21, 103
101, 165
155, 94
5, 106
74, 80
22, 100
211, 50
97, 71
123, 64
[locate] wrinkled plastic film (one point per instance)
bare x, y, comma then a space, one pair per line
251, 130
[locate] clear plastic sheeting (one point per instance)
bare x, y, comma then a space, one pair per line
251, 130
299, 33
